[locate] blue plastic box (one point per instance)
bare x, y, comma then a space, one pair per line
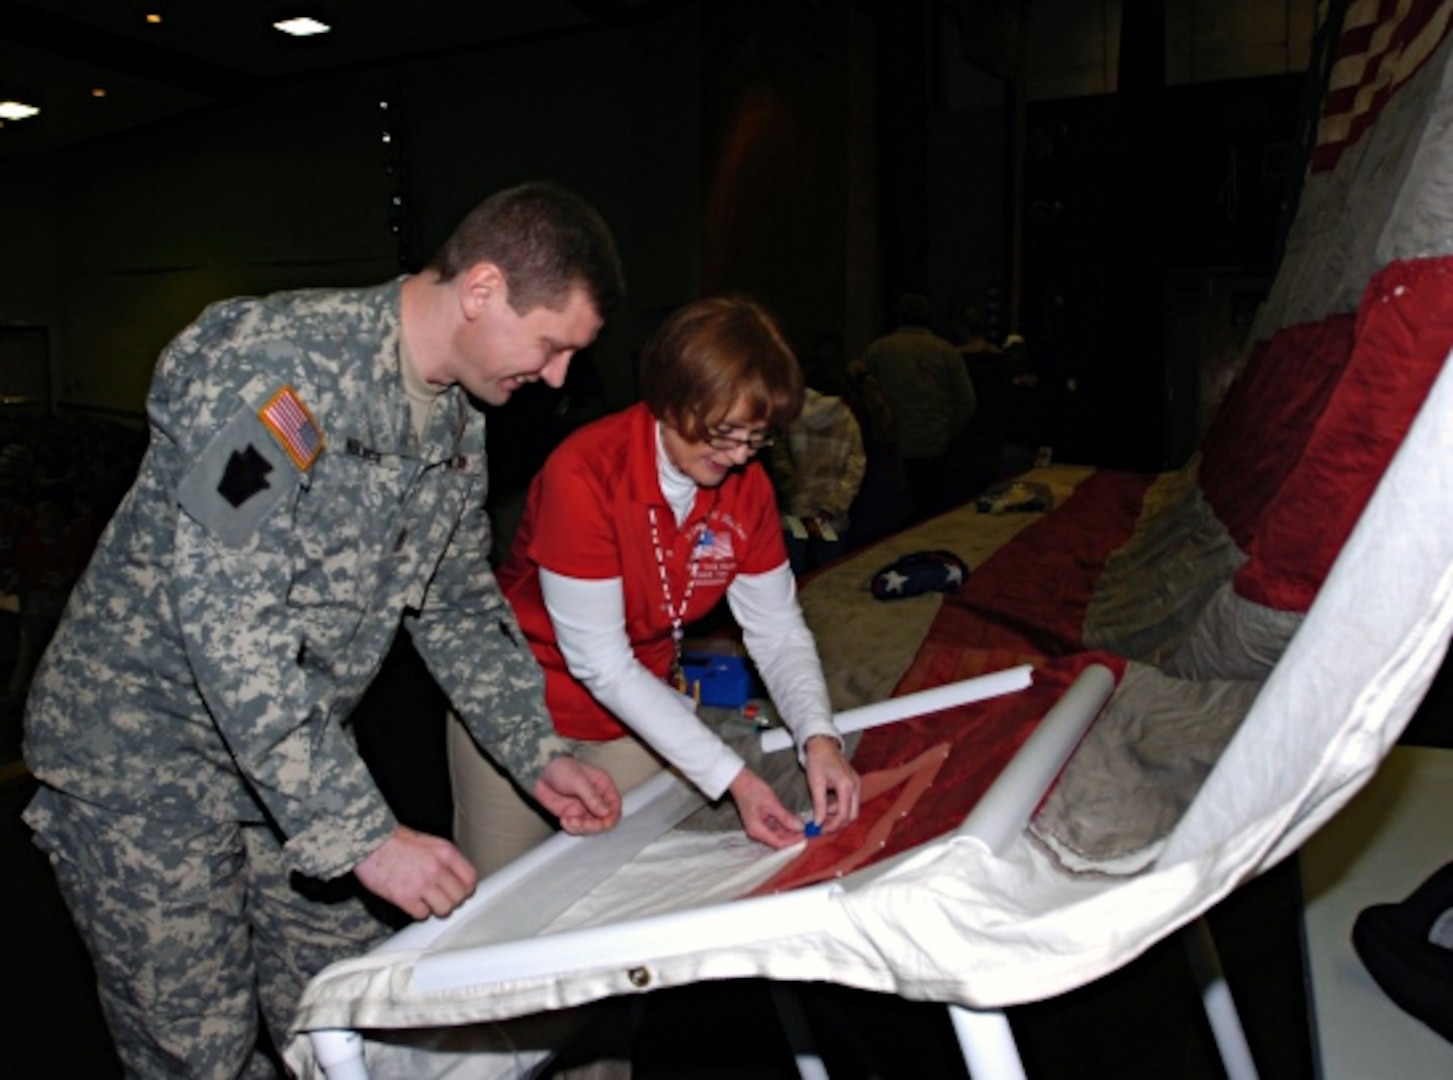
725, 681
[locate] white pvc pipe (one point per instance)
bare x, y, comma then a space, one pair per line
1004, 810
921, 703
1216, 999
987, 1043
573, 864
339, 1053
798, 1032
534, 894
728, 925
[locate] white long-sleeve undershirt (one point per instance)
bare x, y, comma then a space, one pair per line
590, 628
589, 620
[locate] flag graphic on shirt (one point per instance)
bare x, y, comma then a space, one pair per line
289, 419
714, 544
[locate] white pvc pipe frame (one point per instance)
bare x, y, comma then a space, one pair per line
921, 703
999, 816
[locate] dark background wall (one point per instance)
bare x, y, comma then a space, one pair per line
299, 189
1105, 177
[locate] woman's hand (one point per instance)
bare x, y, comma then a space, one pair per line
763, 815
834, 784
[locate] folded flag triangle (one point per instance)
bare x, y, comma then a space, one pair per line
920, 572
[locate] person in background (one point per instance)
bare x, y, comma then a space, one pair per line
828, 461
883, 505
315, 481
1002, 440
637, 526
932, 398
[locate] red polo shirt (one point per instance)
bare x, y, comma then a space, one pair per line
588, 515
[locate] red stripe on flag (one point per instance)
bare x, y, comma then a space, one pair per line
1395, 42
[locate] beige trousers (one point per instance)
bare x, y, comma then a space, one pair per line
494, 823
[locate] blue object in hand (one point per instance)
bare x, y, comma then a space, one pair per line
812, 829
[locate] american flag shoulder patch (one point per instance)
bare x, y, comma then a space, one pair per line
290, 421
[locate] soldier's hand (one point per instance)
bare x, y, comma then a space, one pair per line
422, 874
582, 796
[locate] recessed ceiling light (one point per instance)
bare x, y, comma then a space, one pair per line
302, 27
16, 110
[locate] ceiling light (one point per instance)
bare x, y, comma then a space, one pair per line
153, 19
98, 92
302, 27
16, 110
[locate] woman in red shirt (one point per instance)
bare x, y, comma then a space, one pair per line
637, 525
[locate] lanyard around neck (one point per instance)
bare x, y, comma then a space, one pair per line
677, 616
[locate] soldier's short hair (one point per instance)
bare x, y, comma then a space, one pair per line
545, 239
713, 353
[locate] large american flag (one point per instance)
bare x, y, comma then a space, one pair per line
1382, 43
1359, 320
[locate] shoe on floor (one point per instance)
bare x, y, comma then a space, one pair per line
1408, 950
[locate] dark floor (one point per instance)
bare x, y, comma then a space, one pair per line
1143, 1021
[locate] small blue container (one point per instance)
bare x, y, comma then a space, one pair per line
725, 681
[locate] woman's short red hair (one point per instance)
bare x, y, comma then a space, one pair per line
711, 355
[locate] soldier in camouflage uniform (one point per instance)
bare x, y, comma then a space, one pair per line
315, 478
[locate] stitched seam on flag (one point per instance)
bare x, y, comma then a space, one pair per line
293, 426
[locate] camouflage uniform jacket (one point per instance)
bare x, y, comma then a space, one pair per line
249, 586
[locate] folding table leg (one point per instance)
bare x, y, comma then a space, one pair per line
1216, 998
987, 1043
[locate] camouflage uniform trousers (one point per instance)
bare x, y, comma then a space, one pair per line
193, 930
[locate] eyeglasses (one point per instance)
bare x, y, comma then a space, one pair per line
756, 441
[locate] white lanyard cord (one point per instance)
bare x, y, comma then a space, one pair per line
676, 616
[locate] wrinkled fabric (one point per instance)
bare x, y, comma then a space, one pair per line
1266, 418
1139, 768
1404, 327
1154, 589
